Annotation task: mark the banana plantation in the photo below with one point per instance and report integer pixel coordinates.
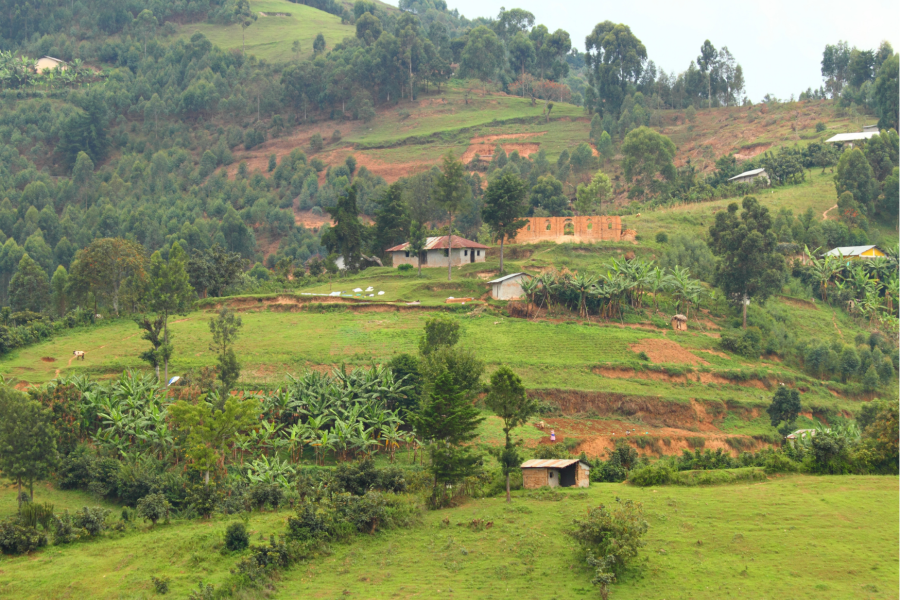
(625, 284)
(341, 416)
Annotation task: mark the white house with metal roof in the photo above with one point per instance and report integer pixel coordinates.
(750, 176)
(868, 132)
(437, 253)
(508, 287)
(855, 252)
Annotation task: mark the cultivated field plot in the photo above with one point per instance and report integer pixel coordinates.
(270, 37)
(792, 537)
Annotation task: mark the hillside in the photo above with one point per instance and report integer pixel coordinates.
(278, 25)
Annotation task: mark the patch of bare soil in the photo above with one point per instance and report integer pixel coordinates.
(524, 149)
(799, 303)
(310, 220)
(484, 139)
(667, 351)
(48, 359)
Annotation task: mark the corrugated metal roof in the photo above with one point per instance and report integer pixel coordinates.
(550, 463)
(505, 277)
(848, 251)
(852, 137)
(440, 243)
(748, 174)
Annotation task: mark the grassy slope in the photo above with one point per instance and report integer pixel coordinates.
(271, 38)
(279, 341)
(780, 538)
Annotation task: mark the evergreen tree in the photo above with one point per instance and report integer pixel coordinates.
(504, 207)
(27, 440)
(392, 224)
(450, 191)
(169, 292)
(447, 421)
(417, 241)
(225, 328)
(29, 288)
(749, 265)
(785, 408)
(346, 237)
(508, 400)
(58, 285)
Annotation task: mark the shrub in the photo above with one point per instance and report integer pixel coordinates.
(204, 499)
(719, 476)
(746, 343)
(657, 473)
(263, 494)
(611, 539)
(550, 451)
(236, 537)
(316, 143)
(662, 237)
(15, 538)
(405, 267)
(820, 127)
(91, 520)
(160, 584)
(65, 529)
(336, 135)
(153, 507)
(313, 522)
(32, 515)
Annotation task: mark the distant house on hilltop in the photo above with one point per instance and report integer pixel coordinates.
(856, 252)
(751, 176)
(48, 63)
(868, 132)
(437, 253)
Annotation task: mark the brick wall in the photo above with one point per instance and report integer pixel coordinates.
(534, 478)
(576, 229)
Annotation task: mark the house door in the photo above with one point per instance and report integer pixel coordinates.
(471, 256)
(423, 257)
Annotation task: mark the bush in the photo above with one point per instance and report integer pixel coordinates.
(160, 584)
(551, 451)
(65, 530)
(662, 237)
(15, 538)
(316, 143)
(657, 473)
(204, 499)
(263, 494)
(719, 476)
(75, 470)
(336, 135)
(405, 267)
(91, 520)
(746, 343)
(153, 507)
(611, 539)
(236, 537)
(820, 127)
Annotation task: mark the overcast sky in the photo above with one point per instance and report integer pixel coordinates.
(778, 43)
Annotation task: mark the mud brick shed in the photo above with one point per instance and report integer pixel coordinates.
(555, 473)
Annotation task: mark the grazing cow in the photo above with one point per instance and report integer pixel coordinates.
(78, 354)
(540, 425)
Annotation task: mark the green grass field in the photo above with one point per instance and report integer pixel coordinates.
(271, 37)
(792, 537)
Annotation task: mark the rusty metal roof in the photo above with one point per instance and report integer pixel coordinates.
(440, 242)
(551, 463)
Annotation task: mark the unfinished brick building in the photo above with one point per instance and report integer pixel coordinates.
(573, 229)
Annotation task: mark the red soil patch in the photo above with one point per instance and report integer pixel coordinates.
(484, 139)
(667, 351)
(48, 359)
(524, 149)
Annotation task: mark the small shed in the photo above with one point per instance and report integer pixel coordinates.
(48, 63)
(679, 323)
(437, 253)
(868, 132)
(856, 252)
(508, 287)
(555, 473)
(751, 176)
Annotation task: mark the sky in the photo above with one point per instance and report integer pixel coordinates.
(778, 43)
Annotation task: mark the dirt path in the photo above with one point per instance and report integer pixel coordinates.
(825, 214)
(834, 322)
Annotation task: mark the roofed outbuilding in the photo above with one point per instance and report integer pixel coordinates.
(855, 252)
(751, 176)
(538, 473)
(508, 287)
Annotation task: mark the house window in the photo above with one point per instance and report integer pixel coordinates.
(479, 253)
(465, 252)
(568, 228)
(548, 225)
(407, 254)
(609, 224)
(446, 251)
(590, 225)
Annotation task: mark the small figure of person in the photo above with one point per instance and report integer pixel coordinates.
(552, 436)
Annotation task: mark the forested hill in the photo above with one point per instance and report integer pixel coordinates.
(149, 132)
